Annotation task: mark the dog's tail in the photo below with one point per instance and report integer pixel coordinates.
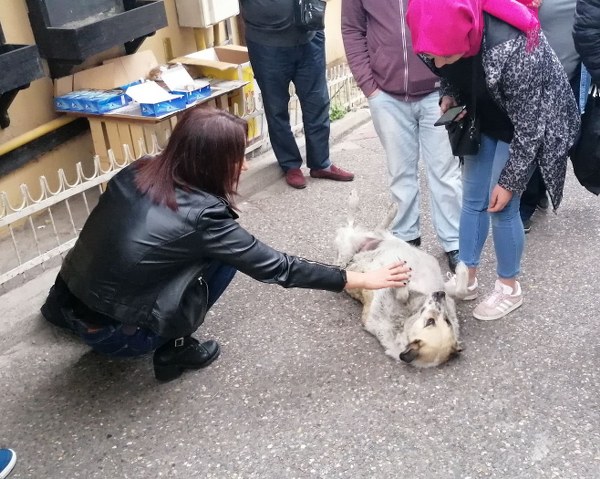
(353, 203)
(389, 217)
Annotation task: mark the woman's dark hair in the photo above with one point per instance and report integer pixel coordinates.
(205, 151)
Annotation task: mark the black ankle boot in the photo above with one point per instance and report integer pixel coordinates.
(452, 260)
(171, 359)
(415, 242)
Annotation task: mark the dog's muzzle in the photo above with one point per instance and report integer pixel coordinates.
(439, 296)
(409, 355)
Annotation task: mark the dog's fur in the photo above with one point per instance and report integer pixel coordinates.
(416, 323)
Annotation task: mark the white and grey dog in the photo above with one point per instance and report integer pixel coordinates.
(416, 324)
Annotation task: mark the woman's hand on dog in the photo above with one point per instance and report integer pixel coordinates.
(395, 275)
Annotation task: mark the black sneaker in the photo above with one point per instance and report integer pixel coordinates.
(452, 259)
(171, 359)
(527, 226)
(543, 203)
(415, 242)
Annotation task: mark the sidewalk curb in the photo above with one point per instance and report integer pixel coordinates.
(21, 315)
(20, 306)
(264, 169)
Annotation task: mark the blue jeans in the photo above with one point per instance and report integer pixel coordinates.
(121, 340)
(480, 175)
(304, 65)
(406, 132)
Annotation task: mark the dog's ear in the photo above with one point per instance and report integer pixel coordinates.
(411, 352)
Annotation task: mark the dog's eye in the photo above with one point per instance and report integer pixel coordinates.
(430, 322)
(447, 321)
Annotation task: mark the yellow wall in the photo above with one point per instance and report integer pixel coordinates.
(333, 32)
(33, 106)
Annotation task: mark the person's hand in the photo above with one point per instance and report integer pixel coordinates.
(447, 102)
(395, 275)
(499, 199)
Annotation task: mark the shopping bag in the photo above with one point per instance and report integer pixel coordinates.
(585, 155)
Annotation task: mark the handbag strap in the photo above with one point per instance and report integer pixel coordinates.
(476, 60)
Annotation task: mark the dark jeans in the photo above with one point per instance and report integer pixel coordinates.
(304, 65)
(533, 194)
(109, 337)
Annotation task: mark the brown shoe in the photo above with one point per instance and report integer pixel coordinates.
(295, 178)
(334, 173)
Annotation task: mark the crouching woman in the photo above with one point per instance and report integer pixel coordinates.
(163, 244)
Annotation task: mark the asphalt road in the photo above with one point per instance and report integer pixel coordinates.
(302, 391)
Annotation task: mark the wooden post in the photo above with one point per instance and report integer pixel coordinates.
(241, 29)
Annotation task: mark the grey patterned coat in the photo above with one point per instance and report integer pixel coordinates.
(532, 87)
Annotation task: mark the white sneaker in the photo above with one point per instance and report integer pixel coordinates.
(470, 294)
(499, 303)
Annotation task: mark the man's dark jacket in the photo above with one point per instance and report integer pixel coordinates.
(586, 33)
(271, 22)
(141, 263)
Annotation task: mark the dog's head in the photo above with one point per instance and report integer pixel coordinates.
(432, 332)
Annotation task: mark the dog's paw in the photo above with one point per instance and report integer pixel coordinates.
(457, 283)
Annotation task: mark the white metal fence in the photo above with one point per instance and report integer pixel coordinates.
(35, 232)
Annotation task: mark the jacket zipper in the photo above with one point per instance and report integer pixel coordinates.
(201, 280)
(404, 48)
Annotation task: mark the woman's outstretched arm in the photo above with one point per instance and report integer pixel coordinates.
(395, 275)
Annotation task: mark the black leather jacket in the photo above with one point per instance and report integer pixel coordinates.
(142, 264)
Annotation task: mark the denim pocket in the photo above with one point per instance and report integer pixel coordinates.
(112, 341)
(108, 340)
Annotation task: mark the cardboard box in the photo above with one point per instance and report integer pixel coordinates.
(155, 100)
(192, 96)
(205, 13)
(69, 102)
(228, 62)
(115, 73)
(129, 70)
(179, 82)
(163, 107)
(103, 101)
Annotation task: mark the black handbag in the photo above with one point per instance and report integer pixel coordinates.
(585, 155)
(465, 135)
(310, 14)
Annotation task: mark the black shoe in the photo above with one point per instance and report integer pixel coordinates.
(415, 242)
(452, 259)
(171, 359)
(54, 310)
(543, 203)
(527, 226)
